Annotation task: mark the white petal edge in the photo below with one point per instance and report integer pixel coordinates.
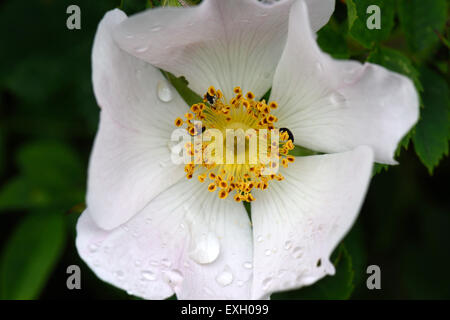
(220, 43)
(151, 255)
(299, 221)
(130, 161)
(334, 106)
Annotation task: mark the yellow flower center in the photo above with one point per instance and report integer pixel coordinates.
(236, 146)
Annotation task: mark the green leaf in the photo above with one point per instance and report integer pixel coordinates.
(19, 193)
(301, 152)
(337, 287)
(30, 255)
(331, 40)
(51, 164)
(420, 20)
(181, 85)
(432, 132)
(358, 20)
(50, 175)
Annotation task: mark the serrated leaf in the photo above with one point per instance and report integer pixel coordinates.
(432, 131)
(337, 287)
(358, 17)
(420, 20)
(30, 255)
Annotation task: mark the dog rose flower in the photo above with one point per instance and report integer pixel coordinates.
(155, 228)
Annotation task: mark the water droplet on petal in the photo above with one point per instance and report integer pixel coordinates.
(173, 277)
(162, 164)
(225, 278)
(266, 283)
(248, 265)
(93, 247)
(297, 253)
(141, 49)
(259, 239)
(166, 263)
(268, 252)
(319, 66)
(119, 274)
(337, 98)
(288, 245)
(148, 275)
(205, 248)
(164, 92)
(155, 28)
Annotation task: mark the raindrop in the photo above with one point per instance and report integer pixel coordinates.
(154, 263)
(205, 249)
(93, 247)
(174, 278)
(208, 291)
(259, 239)
(148, 275)
(141, 49)
(164, 92)
(336, 98)
(119, 275)
(288, 245)
(166, 263)
(225, 277)
(248, 265)
(266, 283)
(297, 253)
(162, 164)
(319, 66)
(268, 252)
(155, 28)
(281, 272)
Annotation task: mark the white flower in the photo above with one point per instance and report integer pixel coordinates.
(149, 230)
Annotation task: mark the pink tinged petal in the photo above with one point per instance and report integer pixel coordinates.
(334, 106)
(130, 162)
(186, 241)
(220, 43)
(299, 222)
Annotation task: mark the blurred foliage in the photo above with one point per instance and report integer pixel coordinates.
(48, 120)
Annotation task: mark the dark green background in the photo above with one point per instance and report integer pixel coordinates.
(48, 119)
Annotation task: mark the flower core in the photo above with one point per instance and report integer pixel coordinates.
(236, 145)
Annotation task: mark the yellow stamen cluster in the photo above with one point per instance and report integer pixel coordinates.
(242, 112)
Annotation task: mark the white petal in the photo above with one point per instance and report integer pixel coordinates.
(319, 12)
(130, 161)
(158, 252)
(334, 106)
(220, 43)
(299, 221)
